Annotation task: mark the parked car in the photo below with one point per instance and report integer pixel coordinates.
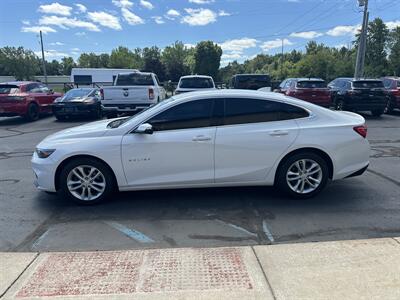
(132, 92)
(313, 90)
(392, 85)
(359, 95)
(193, 83)
(206, 139)
(78, 102)
(251, 82)
(26, 99)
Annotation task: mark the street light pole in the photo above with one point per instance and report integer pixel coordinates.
(43, 60)
(359, 70)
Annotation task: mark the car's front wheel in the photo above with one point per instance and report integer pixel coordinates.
(86, 181)
(32, 113)
(303, 175)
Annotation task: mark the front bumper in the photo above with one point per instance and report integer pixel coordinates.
(44, 173)
(75, 109)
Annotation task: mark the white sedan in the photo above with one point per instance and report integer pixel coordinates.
(206, 139)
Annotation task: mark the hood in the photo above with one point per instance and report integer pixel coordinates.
(90, 130)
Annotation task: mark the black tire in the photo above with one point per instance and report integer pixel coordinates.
(281, 177)
(108, 177)
(377, 112)
(389, 107)
(32, 113)
(340, 104)
(60, 117)
(98, 114)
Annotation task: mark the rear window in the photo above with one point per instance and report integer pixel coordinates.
(134, 79)
(368, 84)
(8, 89)
(311, 84)
(252, 82)
(196, 83)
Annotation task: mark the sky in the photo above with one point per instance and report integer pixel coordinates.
(243, 28)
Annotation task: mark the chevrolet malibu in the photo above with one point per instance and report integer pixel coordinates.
(206, 139)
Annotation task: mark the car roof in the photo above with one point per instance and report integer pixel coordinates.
(19, 83)
(196, 76)
(358, 79)
(249, 74)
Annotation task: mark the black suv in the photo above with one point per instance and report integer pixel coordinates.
(359, 95)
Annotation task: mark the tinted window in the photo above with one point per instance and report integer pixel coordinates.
(33, 88)
(311, 84)
(241, 111)
(134, 79)
(192, 114)
(252, 82)
(282, 84)
(196, 83)
(76, 93)
(368, 84)
(9, 89)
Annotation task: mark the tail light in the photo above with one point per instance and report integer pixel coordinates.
(361, 130)
(151, 93)
(102, 94)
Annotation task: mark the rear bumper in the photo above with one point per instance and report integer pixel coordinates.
(120, 108)
(366, 104)
(359, 172)
(69, 110)
(12, 109)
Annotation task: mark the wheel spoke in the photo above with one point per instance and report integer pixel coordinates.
(304, 176)
(314, 179)
(302, 186)
(75, 187)
(77, 174)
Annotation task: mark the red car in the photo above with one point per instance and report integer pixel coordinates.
(392, 86)
(312, 90)
(26, 99)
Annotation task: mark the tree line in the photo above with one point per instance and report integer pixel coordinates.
(318, 60)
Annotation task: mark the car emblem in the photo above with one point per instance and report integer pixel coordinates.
(126, 93)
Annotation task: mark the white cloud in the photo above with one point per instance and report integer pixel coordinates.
(201, 1)
(66, 23)
(231, 56)
(223, 13)
(146, 4)
(343, 30)
(277, 43)
(189, 46)
(56, 9)
(105, 19)
(158, 19)
(172, 14)
(56, 44)
(306, 34)
(199, 17)
(75, 49)
(131, 18)
(392, 24)
(82, 8)
(52, 54)
(122, 3)
(26, 22)
(37, 29)
(239, 45)
(80, 33)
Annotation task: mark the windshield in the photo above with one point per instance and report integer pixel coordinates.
(77, 93)
(368, 84)
(250, 82)
(196, 83)
(8, 89)
(311, 84)
(146, 112)
(134, 79)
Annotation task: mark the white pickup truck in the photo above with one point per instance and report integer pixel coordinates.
(131, 92)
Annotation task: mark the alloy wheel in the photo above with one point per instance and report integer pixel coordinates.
(304, 176)
(86, 183)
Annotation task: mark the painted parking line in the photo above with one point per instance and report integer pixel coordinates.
(236, 227)
(40, 239)
(267, 232)
(131, 233)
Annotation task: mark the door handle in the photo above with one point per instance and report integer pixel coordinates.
(279, 133)
(201, 138)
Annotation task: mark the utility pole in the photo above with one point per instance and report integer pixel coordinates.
(282, 61)
(43, 60)
(359, 70)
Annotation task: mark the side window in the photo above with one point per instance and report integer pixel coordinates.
(282, 84)
(289, 112)
(287, 84)
(194, 114)
(43, 88)
(32, 88)
(158, 81)
(242, 111)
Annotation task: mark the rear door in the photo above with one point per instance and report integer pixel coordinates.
(253, 136)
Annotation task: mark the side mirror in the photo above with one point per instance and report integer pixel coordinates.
(145, 128)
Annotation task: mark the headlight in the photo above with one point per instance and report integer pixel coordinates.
(44, 153)
(59, 99)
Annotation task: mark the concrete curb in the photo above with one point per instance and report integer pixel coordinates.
(358, 269)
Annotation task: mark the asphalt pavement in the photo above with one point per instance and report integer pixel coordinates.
(363, 207)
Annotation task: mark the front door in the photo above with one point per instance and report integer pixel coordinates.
(179, 152)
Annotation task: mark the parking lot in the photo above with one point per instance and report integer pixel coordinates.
(361, 207)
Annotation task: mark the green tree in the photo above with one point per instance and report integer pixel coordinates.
(207, 59)
(18, 62)
(394, 56)
(152, 62)
(124, 58)
(53, 67)
(376, 56)
(67, 63)
(174, 59)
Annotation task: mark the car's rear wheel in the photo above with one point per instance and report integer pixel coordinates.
(32, 113)
(86, 181)
(303, 175)
(60, 117)
(389, 107)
